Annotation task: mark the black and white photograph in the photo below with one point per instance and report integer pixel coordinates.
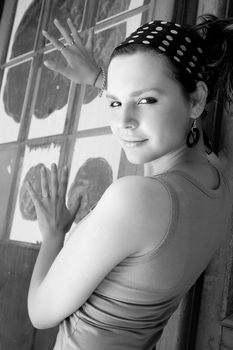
(116, 175)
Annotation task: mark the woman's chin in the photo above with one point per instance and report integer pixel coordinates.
(135, 159)
(140, 158)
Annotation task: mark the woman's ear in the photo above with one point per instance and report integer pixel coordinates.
(198, 99)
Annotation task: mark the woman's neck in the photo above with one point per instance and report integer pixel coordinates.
(170, 160)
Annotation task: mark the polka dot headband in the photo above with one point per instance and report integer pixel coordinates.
(182, 45)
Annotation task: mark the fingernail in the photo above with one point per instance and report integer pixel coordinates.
(44, 31)
(68, 19)
(46, 63)
(55, 20)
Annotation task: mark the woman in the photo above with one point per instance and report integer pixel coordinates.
(127, 265)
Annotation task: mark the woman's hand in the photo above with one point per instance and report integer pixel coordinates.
(54, 218)
(81, 65)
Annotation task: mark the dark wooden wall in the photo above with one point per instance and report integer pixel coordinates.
(16, 332)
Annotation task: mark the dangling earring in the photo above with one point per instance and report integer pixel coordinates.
(193, 135)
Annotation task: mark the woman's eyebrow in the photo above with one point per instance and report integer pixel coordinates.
(137, 93)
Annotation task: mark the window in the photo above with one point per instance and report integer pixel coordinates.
(44, 117)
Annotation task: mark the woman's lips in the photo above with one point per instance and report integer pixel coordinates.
(133, 142)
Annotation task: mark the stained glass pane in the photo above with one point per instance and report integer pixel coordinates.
(24, 27)
(51, 102)
(11, 101)
(25, 226)
(62, 10)
(108, 8)
(95, 110)
(94, 167)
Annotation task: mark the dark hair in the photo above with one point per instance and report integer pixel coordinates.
(218, 66)
(218, 69)
(187, 85)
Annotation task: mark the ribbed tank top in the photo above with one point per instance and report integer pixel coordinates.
(132, 305)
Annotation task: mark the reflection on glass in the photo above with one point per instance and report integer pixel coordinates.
(24, 27)
(25, 226)
(11, 100)
(108, 8)
(7, 163)
(95, 110)
(51, 102)
(94, 167)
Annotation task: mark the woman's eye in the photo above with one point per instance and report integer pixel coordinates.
(115, 104)
(147, 100)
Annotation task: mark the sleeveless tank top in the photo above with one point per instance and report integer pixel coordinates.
(132, 305)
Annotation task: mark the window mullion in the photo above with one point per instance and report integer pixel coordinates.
(6, 24)
(89, 14)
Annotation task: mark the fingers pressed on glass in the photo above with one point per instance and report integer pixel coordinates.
(34, 196)
(59, 68)
(51, 65)
(74, 32)
(54, 181)
(63, 32)
(64, 182)
(90, 40)
(44, 183)
(56, 43)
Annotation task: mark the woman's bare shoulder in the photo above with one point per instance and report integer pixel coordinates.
(139, 183)
(135, 189)
(142, 207)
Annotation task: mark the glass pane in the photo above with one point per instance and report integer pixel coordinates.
(108, 8)
(7, 163)
(11, 100)
(62, 9)
(24, 27)
(51, 102)
(94, 112)
(94, 167)
(25, 226)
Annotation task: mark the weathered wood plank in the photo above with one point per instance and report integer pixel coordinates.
(16, 264)
(16, 331)
(45, 339)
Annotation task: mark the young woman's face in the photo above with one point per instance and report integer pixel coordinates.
(149, 114)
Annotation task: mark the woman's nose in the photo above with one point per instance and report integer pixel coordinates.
(128, 119)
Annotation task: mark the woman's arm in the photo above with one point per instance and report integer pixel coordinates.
(122, 224)
(54, 221)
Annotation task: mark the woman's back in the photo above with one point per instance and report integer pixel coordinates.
(134, 302)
